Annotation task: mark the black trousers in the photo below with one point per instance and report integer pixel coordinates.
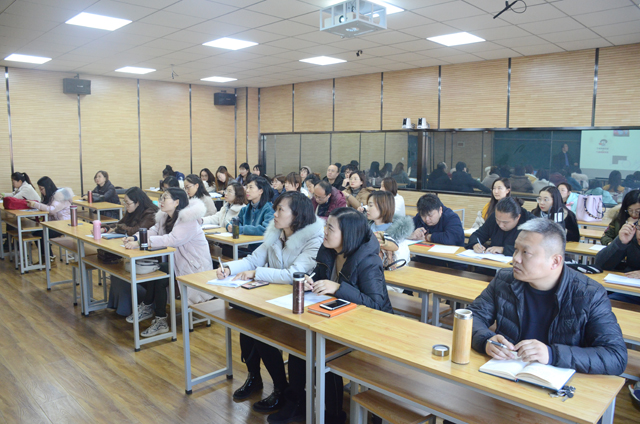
(252, 351)
(157, 292)
(333, 389)
(52, 234)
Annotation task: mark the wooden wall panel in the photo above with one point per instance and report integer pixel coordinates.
(345, 147)
(110, 131)
(372, 150)
(474, 95)
(276, 109)
(554, 90)
(314, 106)
(315, 152)
(5, 154)
(617, 102)
(288, 154)
(412, 93)
(241, 120)
(358, 103)
(397, 149)
(164, 123)
(254, 131)
(213, 131)
(45, 127)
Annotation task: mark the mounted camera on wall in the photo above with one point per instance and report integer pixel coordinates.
(423, 124)
(406, 123)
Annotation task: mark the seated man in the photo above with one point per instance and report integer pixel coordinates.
(623, 254)
(326, 198)
(334, 177)
(546, 311)
(501, 228)
(437, 223)
(461, 180)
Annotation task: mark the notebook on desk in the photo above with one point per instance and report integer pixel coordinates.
(546, 376)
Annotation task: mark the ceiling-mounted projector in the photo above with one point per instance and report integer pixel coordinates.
(354, 17)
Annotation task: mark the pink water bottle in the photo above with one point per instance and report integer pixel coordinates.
(97, 230)
(90, 197)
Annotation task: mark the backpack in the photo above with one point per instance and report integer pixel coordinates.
(13, 203)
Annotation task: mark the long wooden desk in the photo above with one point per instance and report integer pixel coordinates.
(98, 207)
(597, 224)
(617, 288)
(81, 234)
(408, 343)
(19, 220)
(213, 235)
(453, 257)
(256, 301)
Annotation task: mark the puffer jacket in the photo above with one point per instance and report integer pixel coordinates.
(584, 335)
(192, 249)
(611, 232)
(106, 193)
(275, 261)
(400, 229)
(361, 278)
(58, 207)
(337, 200)
(224, 216)
(618, 255)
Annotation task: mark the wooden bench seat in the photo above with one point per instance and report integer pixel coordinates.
(389, 409)
(411, 306)
(633, 365)
(71, 245)
(445, 398)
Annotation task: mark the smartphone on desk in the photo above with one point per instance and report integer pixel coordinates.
(153, 249)
(336, 304)
(254, 285)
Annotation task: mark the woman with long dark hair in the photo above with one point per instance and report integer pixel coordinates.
(400, 175)
(194, 187)
(500, 189)
(22, 188)
(254, 218)
(551, 206)
(628, 214)
(105, 191)
(223, 179)
(615, 183)
(208, 179)
(234, 200)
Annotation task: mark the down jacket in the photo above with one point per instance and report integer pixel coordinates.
(192, 249)
(58, 208)
(584, 335)
(275, 261)
(361, 278)
(224, 216)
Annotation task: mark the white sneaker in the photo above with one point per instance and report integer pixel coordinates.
(158, 326)
(144, 312)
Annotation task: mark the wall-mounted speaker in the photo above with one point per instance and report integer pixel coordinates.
(224, 99)
(76, 86)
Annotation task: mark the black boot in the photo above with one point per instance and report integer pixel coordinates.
(253, 384)
(291, 412)
(271, 403)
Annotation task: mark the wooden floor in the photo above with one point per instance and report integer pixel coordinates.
(57, 366)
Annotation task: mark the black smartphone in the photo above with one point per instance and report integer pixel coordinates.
(254, 285)
(153, 249)
(336, 304)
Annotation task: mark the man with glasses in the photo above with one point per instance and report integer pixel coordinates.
(327, 198)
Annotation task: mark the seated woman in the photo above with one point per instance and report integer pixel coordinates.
(628, 214)
(293, 182)
(519, 182)
(305, 171)
(258, 171)
(170, 182)
(291, 244)
(615, 183)
(176, 226)
(492, 175)
(348, 170)
(254, 218)
(208, 179)
(500, 228)
(310, 183)
(169, 172)
(500, 189)
(277, 183)
(357, 193)
(542, 182)
(243, 171)
(195, 188)
(399, 174)
(223, 179)
(550, 206)
(348, 267)
(22, 188)
(104, 192)
(389, 184)
(234, 200)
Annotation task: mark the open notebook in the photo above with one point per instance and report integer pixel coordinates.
(546, 376)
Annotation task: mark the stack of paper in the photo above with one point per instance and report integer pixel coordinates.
(620, 279)
(228, 282)
(469, 231)
(444, 249)
(215, 195)
(210, 226)
(287, 301)
(491, 256)
(597, 247)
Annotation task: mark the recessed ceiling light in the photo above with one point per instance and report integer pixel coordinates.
(28, 59)
(134, 70)
(218, 79)
(98, 21)
(456, 39)
(230, 43)
(390, 9)
(322, 60)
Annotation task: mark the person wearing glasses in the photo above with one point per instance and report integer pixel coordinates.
(194, 187)
(234, 200)
(326, 199)
(551, 206)
(254, 218)
(500, 188)
(629, 213)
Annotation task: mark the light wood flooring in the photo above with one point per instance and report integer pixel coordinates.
(57, 366)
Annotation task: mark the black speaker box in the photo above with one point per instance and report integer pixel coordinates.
(76, 86)
(224, 99)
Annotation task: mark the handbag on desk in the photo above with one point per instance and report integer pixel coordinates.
(590, 208)
(13, 203)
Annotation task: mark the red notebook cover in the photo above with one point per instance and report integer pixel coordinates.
(316, 309)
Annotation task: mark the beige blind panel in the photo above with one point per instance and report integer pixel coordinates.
(5, 155)
(397, 149)
(412, 93)
(314, 106)
(474, 95)
(164, 123)
(315, 152)
(276, 111)
(45, 127)
(213, 131)
(241, 102)
(345, 147)
(358, 103)
(254, 132)
(372, 150)
(110, 131)
(618, 102)
(288, 154)
(554, 90)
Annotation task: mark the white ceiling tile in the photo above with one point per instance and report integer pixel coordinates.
(407, 20)
(237, 3)
(385, 50)
(189, 36)
(21, 33)
(377, 61)
(164, 43)
(217, 29)
(449, 11)
(552, 25)
(34, 10)
(63, 66)
(534, 13)
(401, 66)
(239, 55)
(289, 28)
(204, 50)
(127, 38)
(478, 47)
(285, 9)
(585, 44)
(474, 23)
(83, 34)
(530, 40)
(575, 35)
(501, 33)
(498, 54)
(247, 18)
(200, 8)
(76, 5)
(431, 30)
(182, 56)
(462, 58)
(408, 57)
(269, 60)
(173, 20)
(42, 45)
(320, 37)
(120, 10)
(535, 50)
(579, 7)
(390, 37)
(155, 4)
(148, 51)
(148, 30)
(417, 46)
(493, 6)
(441, 53)
(257, 36)
(93, 69)
(264, 49)
(619, 40)
(311, 19)
(610, 17)
(416, 4)
(322, 51)
(622, 28)
(354, 44)
(292, 44)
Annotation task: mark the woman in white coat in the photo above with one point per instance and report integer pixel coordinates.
(177, 226)
(291, 244)
(22, 188)
(234, 200)
(195, 188)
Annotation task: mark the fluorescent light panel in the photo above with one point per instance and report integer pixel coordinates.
(322, 60)
(218, 79)
(134, 70)
(26, 58)
(390, 9)
(230, 43)
(98, 21)
(456, 39)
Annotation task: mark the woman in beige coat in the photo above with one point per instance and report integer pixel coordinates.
(357, 193)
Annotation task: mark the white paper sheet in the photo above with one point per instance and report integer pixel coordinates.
(287, 301)
(224, 234)
(469, 231)
(154, 189)
(210, 226)
(622, 280)
(215, 195)
(597, 247)
(412, 242)
(227, 282)
(491, 256)
(444, 249)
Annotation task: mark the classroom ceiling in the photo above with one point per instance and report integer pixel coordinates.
(171, 32)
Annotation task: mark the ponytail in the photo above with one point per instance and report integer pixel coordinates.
(21, 176)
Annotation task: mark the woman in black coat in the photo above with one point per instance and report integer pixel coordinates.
(104, 192)
(348, 267)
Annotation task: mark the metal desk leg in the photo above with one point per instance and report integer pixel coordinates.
(320, 379)
(134, 307)
(435, 311)
(424, 313)
(2, 240)
(172, 299)
(98, 212)
(185, 339)
(84, 290)
(120, 212)
(355, 412)
(229, 353)
(607, 418)
(235, 252)
(21, 253)
(47, 262)
(310, 377)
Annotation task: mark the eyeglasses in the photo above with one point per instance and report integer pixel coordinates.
(633, 212)
(129, 203)
(164, 198)
(544, 200)
(187, 188)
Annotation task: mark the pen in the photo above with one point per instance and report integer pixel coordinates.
(312, 274)
(498, 344)
(220, 262)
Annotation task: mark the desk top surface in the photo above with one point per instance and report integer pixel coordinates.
(84, 231)
(603, 223)
(409, 342)
(99, 206)
(213, 235)
(613, 287)
(486, 263)
(22, 212)
(581, 248)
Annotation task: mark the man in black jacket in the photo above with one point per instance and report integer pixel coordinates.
(334, 177)
(462, 181)
(546, 311)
